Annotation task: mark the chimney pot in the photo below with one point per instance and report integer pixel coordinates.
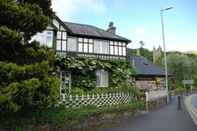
(111, 28)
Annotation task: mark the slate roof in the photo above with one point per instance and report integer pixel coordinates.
(92, 31)
(145, 67)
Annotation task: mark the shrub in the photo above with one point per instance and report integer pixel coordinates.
(27, 94)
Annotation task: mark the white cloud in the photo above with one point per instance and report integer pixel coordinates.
(139, 30)
(65, 9)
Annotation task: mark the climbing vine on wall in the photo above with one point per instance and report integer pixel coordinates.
(83, 70)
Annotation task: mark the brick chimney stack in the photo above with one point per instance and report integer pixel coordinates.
(111, 28)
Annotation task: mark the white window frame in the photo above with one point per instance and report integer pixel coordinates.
(101, 47)
(102, 78)
(72, 44)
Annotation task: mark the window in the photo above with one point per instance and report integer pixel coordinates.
(105, 47)
(61, 43)
(90, 48)
(97, 46)
(85, 40)
(101, 47)
(85, 45)
(45, 38)
(124, 51)
(117, 48)
(120, 50)
(49, 38)
(58, 45)
(64, 35)
(80, 39)
(59, 35)
(80, 47)
(85, 49)
(102, 78)
(72, 44)
(111, 50)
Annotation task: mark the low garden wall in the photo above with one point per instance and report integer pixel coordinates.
(98, 100)
(157, 103)
(155, 99)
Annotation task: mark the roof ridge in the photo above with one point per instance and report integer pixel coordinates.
(77, 23)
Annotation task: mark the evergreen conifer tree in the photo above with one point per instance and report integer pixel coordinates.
(25, 80)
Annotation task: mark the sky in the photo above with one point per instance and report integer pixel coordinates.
(138, 20)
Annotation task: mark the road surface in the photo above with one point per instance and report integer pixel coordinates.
(167, 118)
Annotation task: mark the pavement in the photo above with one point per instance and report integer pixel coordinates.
(194, 101)
(191, 105)
(167, 118)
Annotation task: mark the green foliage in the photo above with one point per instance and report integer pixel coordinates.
(30, 93)
(23, 17)
(45, 5)
(123, 88)
(143, 52)
(11, 72)
(25, 54)
(83, 70)
(182, 66)
(57, 116)
(77, 91)
(25, 68)
(8, 36)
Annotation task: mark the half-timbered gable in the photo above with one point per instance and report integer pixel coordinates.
(82, 40)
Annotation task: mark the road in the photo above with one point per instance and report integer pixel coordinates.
(167, 118)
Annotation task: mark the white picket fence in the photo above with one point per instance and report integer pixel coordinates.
(98, 100)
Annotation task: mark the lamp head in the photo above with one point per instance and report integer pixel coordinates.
(169, 8)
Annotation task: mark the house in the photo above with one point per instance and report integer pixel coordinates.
(148, 76)
(85, 41)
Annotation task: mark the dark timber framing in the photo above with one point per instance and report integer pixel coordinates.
(86, 36)
(117, 49)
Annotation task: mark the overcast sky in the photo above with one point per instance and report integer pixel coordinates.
(137, 19)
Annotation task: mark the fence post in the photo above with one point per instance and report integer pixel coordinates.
(88, 96)
(102, 95)
(147, 99)
(93, 96)
(179, 102)
(76, 97)
(82, 97)
(70, 97)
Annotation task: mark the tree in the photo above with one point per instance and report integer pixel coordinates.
(143, 52)
(25, 68)
(141, 44)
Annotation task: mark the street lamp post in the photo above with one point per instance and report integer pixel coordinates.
(164, 48)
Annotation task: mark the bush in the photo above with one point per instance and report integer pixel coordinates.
(61, 116)
(77, 91)
(27, 94)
